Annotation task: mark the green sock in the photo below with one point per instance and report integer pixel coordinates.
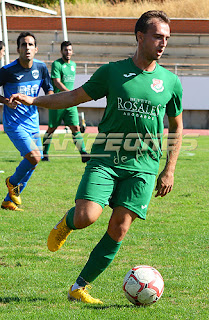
(78, 141)
(46, 142)
(69, 219)
(100, 258)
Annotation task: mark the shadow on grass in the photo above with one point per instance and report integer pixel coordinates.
(116, 306)
(184, 159)
(9, 160)
(6, 300)
(186, 195)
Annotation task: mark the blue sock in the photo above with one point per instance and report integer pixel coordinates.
(7, 198)
(22, 183)
(21, 171)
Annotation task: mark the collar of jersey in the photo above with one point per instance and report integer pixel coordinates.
(143, 71)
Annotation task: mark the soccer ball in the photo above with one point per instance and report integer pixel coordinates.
(143, 285)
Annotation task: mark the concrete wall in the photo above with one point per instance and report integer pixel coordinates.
(193, 119)
(100, 24)
(195, 104)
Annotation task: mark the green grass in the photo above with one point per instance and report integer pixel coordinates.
(174, 239)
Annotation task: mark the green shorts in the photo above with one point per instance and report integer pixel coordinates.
(116, 187)
(69, 117)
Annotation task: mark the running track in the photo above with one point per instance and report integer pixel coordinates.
(61, 129)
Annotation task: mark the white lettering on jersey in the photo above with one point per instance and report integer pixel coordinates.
(28, 90)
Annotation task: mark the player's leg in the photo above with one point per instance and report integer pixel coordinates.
(33, 157)
(93, 193)
(25, 179)
(130, 200)
(81, 216)
(55, 119)
(18, 181)
(103, 254)
(47, 138)
(71, 119)
(79, 143)
(28, 145)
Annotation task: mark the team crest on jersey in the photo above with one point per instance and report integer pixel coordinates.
(72, 68)
(35, 74)
(157, 85)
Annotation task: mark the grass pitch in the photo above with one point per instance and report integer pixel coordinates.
(174, 239)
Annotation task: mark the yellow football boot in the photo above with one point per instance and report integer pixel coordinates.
(14, 192)
(9, 205)
(82, 295)
(58, 235)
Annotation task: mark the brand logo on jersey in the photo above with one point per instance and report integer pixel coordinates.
(157, 85)
(20, 77)
(127, 75)
(35, 74)
(143, 207)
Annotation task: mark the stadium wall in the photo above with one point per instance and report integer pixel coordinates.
(100, 24)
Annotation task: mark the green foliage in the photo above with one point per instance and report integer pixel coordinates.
(173, 239)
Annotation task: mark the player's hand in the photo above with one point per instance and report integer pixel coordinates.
(10, 104)
(165, 183)
(18, 98)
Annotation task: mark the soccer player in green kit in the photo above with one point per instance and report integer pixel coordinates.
(126, 153)
(63, 77)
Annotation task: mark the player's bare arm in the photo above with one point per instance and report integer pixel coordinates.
(57, 83)
(61, 100)
(165, 180)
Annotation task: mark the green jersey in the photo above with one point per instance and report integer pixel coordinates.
(65, 72)
(131, 129)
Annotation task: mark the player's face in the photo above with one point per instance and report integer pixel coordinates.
(2, 52)
(27, 49)
(67, 53)
(154, 42)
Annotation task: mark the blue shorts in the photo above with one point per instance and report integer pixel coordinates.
(25, 141)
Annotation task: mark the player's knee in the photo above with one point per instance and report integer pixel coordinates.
(86, 213)
(33, 157)
(35, 160)
(117, 231)
(83, 219)
(74, 129)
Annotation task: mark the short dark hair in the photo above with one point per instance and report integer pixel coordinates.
(2, 44)
(65, 44)
(23, 35)
(144, 21)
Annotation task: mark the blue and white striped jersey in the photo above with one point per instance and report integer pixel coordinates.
(14, 78)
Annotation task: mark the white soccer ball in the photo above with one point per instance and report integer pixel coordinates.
(143, 285)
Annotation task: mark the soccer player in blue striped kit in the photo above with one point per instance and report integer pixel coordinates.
(24, 75)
